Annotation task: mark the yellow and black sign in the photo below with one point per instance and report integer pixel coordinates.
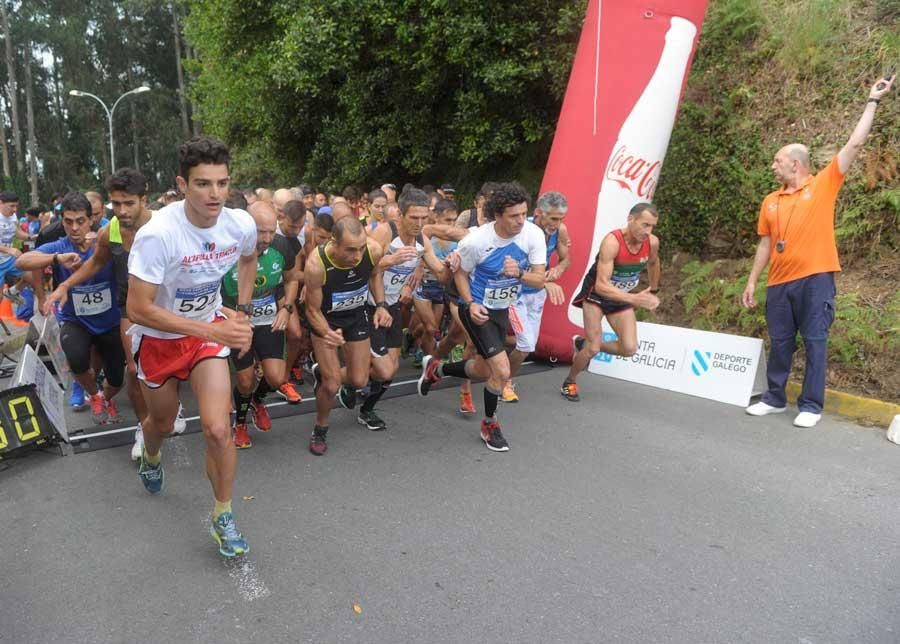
(22, 419)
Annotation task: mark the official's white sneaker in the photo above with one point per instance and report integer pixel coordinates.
(807, 419)
(180, 422)
(762, 409)
(138, 448)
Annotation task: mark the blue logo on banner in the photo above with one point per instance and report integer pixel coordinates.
(605, 357)
(700, 364)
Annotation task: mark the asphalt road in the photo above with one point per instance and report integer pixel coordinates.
(635, 516)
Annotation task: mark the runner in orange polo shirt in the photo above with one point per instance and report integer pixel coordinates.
(796, 229)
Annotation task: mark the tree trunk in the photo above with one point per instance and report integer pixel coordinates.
(195, 122)
(7, 172)
(12, 90)
(60, 122)
(32, 139)
(182, 101)
(129, 70)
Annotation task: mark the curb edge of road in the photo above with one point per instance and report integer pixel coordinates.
(869, 410)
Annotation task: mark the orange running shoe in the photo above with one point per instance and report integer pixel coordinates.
(569, 391)
(466, 406)
(112, 412)
(98, 408)
(290, 394)
(261, 417)
(242, 437)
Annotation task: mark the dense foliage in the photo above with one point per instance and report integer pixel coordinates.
(341, 91)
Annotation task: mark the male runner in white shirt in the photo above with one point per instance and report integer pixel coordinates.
(176, 265)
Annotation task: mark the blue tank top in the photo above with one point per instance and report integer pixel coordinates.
(94, 303)
(552, 242)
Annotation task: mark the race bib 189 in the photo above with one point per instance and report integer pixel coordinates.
(499, 294)
(92, 299)
(625, 283)
(347, 300)
(264, 310)
(197, 302)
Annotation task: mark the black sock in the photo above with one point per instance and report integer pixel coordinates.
(262, 389)
(457, 369)
(241, 405)
(376, 390)
(490, 402)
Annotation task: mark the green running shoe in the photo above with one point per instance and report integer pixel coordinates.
(225, 533)
(371, 420)
(152, 476)
(346, 397)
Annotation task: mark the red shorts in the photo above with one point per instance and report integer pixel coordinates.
(159, 359)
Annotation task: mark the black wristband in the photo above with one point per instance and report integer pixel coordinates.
(288, 307)
(654, 290)
(381, 304)
(55, 260)
(245, 308)
(874, 100)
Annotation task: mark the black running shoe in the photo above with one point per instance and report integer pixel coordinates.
(493, 437)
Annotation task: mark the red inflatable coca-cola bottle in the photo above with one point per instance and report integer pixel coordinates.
(611, 139)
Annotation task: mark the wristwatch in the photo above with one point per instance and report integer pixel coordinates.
(288, 307)
(245, 308)
(654, 290)
(381, 304)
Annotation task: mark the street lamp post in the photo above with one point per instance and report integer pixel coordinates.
(109, 116)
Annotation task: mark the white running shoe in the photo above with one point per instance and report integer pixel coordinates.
(807, 419)
(180, 422)
(762, 409)
(138, 448)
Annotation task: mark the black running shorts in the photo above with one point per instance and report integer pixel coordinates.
(489, 338)
(267, 345)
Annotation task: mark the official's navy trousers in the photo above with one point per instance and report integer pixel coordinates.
(805, 305)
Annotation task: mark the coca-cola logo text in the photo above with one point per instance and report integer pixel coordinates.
(633, 173)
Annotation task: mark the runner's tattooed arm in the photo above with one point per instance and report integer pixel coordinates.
(246, 276)
(291, 289)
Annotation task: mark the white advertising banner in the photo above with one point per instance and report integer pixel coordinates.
(718, 366)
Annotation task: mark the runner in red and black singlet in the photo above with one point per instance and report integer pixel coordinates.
(608, 288)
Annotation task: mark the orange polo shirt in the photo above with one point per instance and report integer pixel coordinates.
(804, 220)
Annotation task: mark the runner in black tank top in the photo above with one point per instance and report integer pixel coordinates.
(338, 277)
